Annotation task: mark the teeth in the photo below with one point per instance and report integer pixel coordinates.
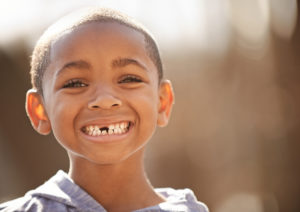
(117, 128)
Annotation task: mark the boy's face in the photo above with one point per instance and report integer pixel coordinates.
(101, 95)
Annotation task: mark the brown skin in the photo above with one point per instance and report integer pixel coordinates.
(110, 168)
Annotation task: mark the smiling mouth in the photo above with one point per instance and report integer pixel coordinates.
(111, 129)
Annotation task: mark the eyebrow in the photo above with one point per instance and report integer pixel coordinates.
(80, 64)
(122, 62)
(119, 62)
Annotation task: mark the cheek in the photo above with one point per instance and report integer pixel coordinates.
(62, 115)
(147, 109)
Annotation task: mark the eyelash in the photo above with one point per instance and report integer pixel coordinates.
(130, 79)
(78, 83)
(74, 84)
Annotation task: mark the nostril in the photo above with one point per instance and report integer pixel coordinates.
(98, 106)
(104, 102)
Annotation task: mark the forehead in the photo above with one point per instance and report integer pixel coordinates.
(101, 38)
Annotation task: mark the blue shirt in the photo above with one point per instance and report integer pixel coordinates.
(61, 194)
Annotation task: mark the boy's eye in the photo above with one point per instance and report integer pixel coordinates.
(74, 84)
(130, 79)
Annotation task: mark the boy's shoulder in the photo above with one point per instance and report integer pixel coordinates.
(180, 200)
(18, 204)
(59, 193)
(30, 203)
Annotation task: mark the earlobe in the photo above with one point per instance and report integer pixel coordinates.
(36, 112)
(166, 98)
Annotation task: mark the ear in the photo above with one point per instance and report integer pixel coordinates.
(166, 98)
(36, 112)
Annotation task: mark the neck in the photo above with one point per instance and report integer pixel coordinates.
(117, 187)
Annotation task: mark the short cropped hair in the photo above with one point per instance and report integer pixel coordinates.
(40, 58)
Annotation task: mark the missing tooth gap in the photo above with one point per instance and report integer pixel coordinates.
(104, 128)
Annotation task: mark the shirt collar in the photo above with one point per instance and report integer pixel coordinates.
(61, 188)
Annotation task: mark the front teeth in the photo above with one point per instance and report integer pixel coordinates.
(117, 128)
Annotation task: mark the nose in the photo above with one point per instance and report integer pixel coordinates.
(104, 99)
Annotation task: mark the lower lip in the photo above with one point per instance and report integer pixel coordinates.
(106, 138)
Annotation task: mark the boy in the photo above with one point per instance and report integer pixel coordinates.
(97, 85)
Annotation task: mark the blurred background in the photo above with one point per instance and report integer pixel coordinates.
(235, 129)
